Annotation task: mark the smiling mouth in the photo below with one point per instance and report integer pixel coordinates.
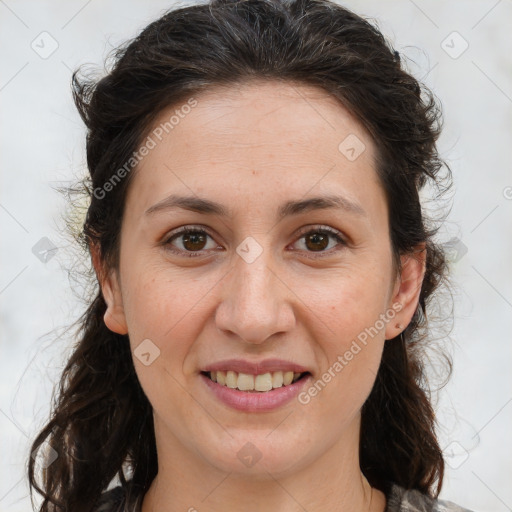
(255, 383)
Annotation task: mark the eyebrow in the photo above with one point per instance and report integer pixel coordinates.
(208, 207)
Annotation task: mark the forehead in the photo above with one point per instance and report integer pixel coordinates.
(273, 113)
(292, 136)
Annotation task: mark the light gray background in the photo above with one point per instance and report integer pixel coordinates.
(42, 145)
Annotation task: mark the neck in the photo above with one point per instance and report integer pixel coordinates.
(332, 482)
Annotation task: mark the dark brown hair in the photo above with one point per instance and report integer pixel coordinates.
(101, 425)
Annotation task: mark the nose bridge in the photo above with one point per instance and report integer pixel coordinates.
(256, 303)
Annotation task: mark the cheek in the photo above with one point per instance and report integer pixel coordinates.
(339, 391)
(347, 304)
(348, 312)
(164, 305)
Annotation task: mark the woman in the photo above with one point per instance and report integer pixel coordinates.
(264, 270)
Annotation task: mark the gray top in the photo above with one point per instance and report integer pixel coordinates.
(398, 500)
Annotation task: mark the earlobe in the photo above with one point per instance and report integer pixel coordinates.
(407, 289)
(114, 317)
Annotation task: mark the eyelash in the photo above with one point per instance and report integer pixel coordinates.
(197, 229)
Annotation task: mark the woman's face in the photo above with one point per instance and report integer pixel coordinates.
(263, 280)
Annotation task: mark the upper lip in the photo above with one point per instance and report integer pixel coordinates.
(255, 367)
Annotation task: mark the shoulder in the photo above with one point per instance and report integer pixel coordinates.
(412, 500)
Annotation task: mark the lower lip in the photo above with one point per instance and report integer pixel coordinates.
(256, 401)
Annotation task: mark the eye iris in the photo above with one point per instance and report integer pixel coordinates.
(316, 238)
(194, 239)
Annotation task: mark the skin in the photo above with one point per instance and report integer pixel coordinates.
(252, 147)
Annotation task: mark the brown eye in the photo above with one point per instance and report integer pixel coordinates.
(317, 241)
(188, 242)
(194, 241)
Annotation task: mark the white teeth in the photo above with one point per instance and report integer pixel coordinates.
(262, 382)
(231, 379)
(277, 379)
(221, 377)
(247, 382)
(287, 378)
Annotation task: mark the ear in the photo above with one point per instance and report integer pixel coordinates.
(114, 317)
(407, 289)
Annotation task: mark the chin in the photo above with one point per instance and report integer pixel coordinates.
(254, 453)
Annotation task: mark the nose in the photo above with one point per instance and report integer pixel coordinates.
(256, 301)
